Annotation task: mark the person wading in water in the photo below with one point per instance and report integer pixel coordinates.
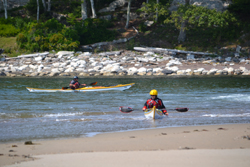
(155, 101)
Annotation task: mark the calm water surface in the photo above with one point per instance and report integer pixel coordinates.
(31, 116)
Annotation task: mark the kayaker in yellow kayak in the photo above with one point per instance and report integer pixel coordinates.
(155, 101)
(74, 84)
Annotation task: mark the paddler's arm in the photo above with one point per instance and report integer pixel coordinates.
(164, 111)
(163, 108)
(83, 85)
(71, 84)
(144, 107)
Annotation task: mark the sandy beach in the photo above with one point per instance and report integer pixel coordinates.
(212, 145)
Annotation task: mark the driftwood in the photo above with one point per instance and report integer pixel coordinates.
(33, 55)
(168, 51)
(110, 53)
(99, 44)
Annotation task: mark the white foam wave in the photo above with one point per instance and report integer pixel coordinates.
(227, 115)
(10, 115)
(138, 118)
(234, 97)
(63, 114)
(92, 134)
(59, 120)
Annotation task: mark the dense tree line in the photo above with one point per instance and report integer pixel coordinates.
(79, 24)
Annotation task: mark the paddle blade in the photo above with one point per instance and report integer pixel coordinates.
(93, 83)
(181, 109)
(124, 109)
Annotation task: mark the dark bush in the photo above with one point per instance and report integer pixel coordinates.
(94, 30)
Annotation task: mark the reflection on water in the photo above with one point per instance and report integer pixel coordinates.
(25, 115)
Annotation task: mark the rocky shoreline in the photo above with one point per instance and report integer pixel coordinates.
(122, 63)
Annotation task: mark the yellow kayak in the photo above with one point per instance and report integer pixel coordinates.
(119, 87)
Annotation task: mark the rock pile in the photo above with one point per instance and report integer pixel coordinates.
(121, 63)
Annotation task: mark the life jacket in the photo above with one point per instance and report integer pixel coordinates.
(151, 103)
(76, 84)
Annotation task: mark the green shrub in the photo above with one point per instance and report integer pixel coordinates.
(71, 19)
(50, 35)
(33, 47)
(10, 20)
(76, 8)
(21, 38)
(45, 46)
(8, 30)
(130, 45)
(53, 25)
(56, 38)
(20, 23)
(17, 22)
(71, 34)
(142, 27)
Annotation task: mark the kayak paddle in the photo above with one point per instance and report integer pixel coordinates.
(93, 83)
(125, 109)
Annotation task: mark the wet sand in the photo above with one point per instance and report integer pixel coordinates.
(211, 145)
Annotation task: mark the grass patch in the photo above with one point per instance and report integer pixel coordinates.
(180, 47)
(10, 46)
(147, 32)
(7, 42)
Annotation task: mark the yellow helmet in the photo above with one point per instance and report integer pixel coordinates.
(153, 92)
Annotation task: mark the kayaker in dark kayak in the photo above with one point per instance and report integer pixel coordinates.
(155, 101)
(74, 84)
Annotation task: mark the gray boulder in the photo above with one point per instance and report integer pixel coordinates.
(2, 74)
(1, 51)
(166, 72)
(112, 6)
(219, 5)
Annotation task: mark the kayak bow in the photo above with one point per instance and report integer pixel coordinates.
(153, 113)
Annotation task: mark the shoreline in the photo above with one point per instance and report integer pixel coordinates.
(134, 76)
(122, 63)
(93, 134)
(215, 138)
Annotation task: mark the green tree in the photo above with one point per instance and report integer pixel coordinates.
(190, 17)
(151, 6)
(201, 17)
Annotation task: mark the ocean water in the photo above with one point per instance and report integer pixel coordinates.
(34, 116)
